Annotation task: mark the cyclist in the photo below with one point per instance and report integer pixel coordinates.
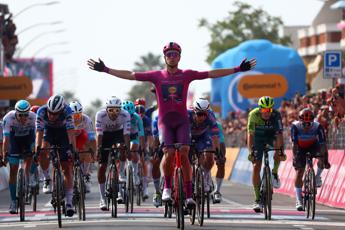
(307, 136)
(54, 126)
(137, 138)
(264, 127)
(19, 137)
(204, 132)
(220, 162)
(148, 111)
(113, 125)
(85, 138)
(35, 108)
(140, 110)
(171, 87)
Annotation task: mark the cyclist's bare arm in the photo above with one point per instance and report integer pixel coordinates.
(5, 146)
(127, 141)
(220, 72)
(124, 74)
(39, 138)
(250, 140)
(71, 138)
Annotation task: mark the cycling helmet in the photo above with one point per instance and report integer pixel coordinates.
(201, 105)
(172, 46)
(113, 102)
(22, 106)
(56, 103)
(265, 102)
(140, 101)
(34, 108)
(306, 115)
(76, 107)
(140, 109)
(129, 107)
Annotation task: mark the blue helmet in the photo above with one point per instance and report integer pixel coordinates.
(128, 106)
(22, 106)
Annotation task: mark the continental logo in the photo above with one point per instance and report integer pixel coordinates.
(254, 86)
(15, 87)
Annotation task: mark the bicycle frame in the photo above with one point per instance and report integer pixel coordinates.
(309, 187)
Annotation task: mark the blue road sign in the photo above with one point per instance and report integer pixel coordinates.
(332, 64)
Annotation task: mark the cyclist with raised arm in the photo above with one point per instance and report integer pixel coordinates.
(307, 135)
(19, 138)
(113, 126)
(147, 123)
(137, 137)
(220, 162)
(54, 126)
(171, 89)
(85, 139)
(204, 133)
(264, 127)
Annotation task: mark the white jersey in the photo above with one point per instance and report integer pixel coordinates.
(104, 124)
(12, 125)
(87, 125)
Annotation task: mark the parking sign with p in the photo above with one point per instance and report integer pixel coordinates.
(332, 64)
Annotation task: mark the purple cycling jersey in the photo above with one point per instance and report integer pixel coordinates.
(171, 89)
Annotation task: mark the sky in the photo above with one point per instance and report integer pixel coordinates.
(120, 32)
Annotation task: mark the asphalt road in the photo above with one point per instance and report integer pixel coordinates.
(233, 213)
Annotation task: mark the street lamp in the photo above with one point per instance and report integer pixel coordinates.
(47, 46)
(39, 24)
(37, 37)
(34, 5)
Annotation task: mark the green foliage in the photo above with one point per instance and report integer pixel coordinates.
(244, 23)
(95, 106)
(142, 89)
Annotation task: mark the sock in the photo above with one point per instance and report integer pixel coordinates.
(145, 182)
(219, 182)
(69, 196)
(167, 182)
(13, 191)
(102, 190)
(275, 167)
(46, 174)
(318, 172)
(188, 189)
(257, 193)
(156, 183)
(298, 194)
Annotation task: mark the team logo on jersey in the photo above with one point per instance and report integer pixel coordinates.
(172, 90)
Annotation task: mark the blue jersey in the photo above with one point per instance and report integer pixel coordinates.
(155, 130)
(137, 126)
(208, 127)
(64, 119)
(305, 138)
(147, 125)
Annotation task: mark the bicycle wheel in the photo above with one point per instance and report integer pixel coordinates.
(267, 193)
(200, 198)
(35, 191)
(195, 194)
(312, 186)
(21, 194)
(114, 189)
(129, 190)
(58, 194)
(180, 198)
(208, 198)
(81, 188)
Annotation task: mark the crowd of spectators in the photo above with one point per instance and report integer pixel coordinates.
(328, 106)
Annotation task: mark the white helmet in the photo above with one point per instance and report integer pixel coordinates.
(113, 102)
(56, 103)
(201, 104)
(76, 107)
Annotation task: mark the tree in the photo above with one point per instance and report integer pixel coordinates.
(68, 96)
(142, 89)
(245, 23)
(95, 106)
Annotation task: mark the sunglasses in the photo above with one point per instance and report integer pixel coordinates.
(53, 114)
(114, 110)
(172, 54)
(266, 110)
(201, 114)
(77, 116)
(23, 114)
(306, 124)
